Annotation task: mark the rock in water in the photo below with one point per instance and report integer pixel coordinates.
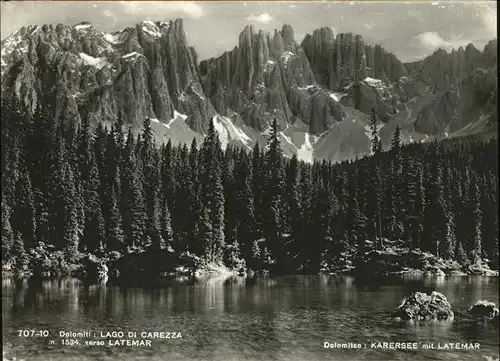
(484, 309)
(92, 268)
(422, 306)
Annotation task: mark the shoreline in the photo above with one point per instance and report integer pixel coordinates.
(154, 264)
(210, 274)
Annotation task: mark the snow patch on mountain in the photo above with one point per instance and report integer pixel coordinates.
(98, 63)
(150, 28)
(112, 38)
(132, 56)
(288, 140)
(337, 96)
(376, 83)
(237, 133)
(177, 114)
(82, 26)
(305, 152)
(229, 132)
(223, 133)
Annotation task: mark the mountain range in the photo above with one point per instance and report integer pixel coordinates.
(321, 91)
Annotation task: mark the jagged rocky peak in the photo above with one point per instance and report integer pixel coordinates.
(288, 37)
(339, 60)
(147, 70)
(328, 84)
(259, 78)
(490, 53)
(442, 68)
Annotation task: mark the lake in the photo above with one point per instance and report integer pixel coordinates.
(285, 318)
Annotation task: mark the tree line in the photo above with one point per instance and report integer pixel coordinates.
(89, 189)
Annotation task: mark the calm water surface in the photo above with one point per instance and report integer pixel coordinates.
(287, 318)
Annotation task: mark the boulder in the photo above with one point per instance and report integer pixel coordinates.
(92, 267)
(484, 309)
(423, 306)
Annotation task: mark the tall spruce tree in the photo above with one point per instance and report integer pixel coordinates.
(132, 197)
(94, 233)
(245, 211)
(23, 217)
(293, 207)
(149, 160)
(70, 227)
(213, 194)
(7, 233)
(195, 209)
(184, 220)
(435, 213)
(375, 139)
(274, 188)
(477, 246)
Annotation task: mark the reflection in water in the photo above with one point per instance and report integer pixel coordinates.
(261, 318)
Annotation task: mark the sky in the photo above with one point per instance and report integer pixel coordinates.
(409, 29)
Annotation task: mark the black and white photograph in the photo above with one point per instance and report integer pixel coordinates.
(249, 181)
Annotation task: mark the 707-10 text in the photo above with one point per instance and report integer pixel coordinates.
(33, 333)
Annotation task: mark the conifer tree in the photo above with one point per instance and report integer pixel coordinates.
(132, 198)
(94, 233)
(19, 254)
(373, 198)
(114, 226)
(274, 187)
(23, 216)
(358, 226)
(396, 144)
(70, 226)
(293, 208)
(194, 212)
(450, 241)
(184, 220)
(435, 219)
(11, 149)
(414, 195)
(7, 233)
(244, 201)
(258, 187)
(167, 235)
(477, 250)
(149, 161)
(213, 193)
(168, 176)
(376, 142)
(230, 208)
(206, 230)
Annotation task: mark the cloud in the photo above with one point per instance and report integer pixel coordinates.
(262, 18)
(431, 40)
(189, 8)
